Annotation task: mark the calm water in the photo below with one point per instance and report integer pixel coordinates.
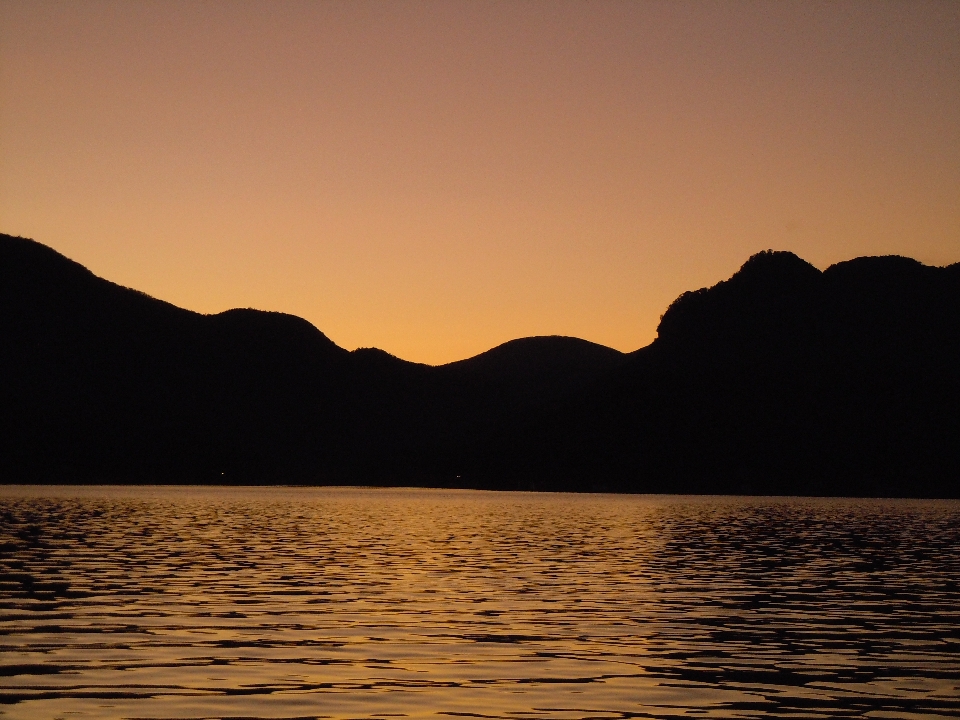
(348, 603)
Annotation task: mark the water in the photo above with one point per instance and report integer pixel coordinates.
(348, 603)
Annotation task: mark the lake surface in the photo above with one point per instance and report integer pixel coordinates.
(347, 603)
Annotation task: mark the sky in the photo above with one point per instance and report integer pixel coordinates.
(436, 178)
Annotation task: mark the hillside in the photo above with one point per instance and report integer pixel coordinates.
(782, 379)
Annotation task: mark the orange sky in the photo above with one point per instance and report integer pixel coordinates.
(437, 178)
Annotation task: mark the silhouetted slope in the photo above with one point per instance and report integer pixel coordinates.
(107, 382)
(782, 379)
(422, 424)
(532, 359)
(480, 406)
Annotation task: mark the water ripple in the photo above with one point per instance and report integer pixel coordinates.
(345, 603)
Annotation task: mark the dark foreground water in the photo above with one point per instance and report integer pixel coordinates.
(348, 603)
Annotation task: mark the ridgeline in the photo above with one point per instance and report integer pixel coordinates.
(781, 380)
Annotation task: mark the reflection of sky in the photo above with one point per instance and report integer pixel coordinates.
(436, 179)
(337, 602)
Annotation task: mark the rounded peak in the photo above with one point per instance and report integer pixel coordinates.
(263, 317)
(764, 289)
(374, 354)
(539, 359)
(541, 347)
(267, 323)
(776, 265)
(551, 342)
(877, 266)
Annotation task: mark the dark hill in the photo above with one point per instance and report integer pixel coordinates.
(554, 355)
(532, 371)
(782, 379)
(786, 380)
(108, 384)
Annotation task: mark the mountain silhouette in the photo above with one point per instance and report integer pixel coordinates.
(781, 380)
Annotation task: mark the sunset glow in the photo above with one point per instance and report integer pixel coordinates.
(437, 178)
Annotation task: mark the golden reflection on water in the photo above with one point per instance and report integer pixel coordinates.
(331, 602)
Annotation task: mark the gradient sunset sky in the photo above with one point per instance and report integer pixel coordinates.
(435, 178)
